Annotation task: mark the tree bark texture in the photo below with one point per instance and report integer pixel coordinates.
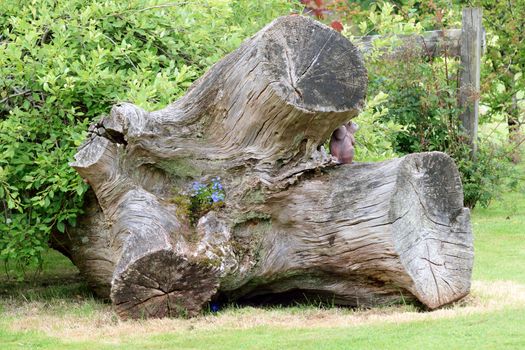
(292, 219)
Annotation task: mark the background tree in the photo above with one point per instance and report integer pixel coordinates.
(504, 64)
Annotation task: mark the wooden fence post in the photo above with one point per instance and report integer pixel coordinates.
(471, 41)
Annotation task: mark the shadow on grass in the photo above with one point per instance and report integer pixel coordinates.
(58, 279)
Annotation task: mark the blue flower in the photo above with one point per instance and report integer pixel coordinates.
(197, 186)
(216, 184)
(214, 307)
(217, 197)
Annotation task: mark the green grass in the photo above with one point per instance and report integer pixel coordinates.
(496, 330)
(57, 280)
(499, 233)
(59, 294)
(466, 332)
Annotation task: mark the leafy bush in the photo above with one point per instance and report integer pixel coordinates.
(375, 137)
(485, 177)
(420, 102)
(503, 66)
(64, 63)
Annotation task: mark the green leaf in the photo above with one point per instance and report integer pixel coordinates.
(61, 227)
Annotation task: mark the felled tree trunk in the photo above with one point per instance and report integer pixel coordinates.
(292, 219)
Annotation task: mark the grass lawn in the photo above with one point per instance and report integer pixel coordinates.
(57, 311)
(499, 233)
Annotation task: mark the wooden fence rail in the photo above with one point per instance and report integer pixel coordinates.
(431, 44)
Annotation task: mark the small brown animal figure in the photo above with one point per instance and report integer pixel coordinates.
(342, 143)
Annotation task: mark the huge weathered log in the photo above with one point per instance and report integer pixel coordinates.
(292, 219)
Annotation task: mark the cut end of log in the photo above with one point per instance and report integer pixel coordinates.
(90, 153)
(314, 67)
(431, 228)
(163, 284)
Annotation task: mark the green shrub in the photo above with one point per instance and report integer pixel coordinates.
(64, 63)
(487, 176)
(421, 103)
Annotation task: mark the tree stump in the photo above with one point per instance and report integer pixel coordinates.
(292, 219)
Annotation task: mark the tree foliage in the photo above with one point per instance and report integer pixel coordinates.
(504, 58)
(503, 90)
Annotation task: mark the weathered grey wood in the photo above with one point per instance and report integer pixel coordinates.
(429, 44)
(434, 43)
(471, 40)
(91, 247)
(361, 234)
